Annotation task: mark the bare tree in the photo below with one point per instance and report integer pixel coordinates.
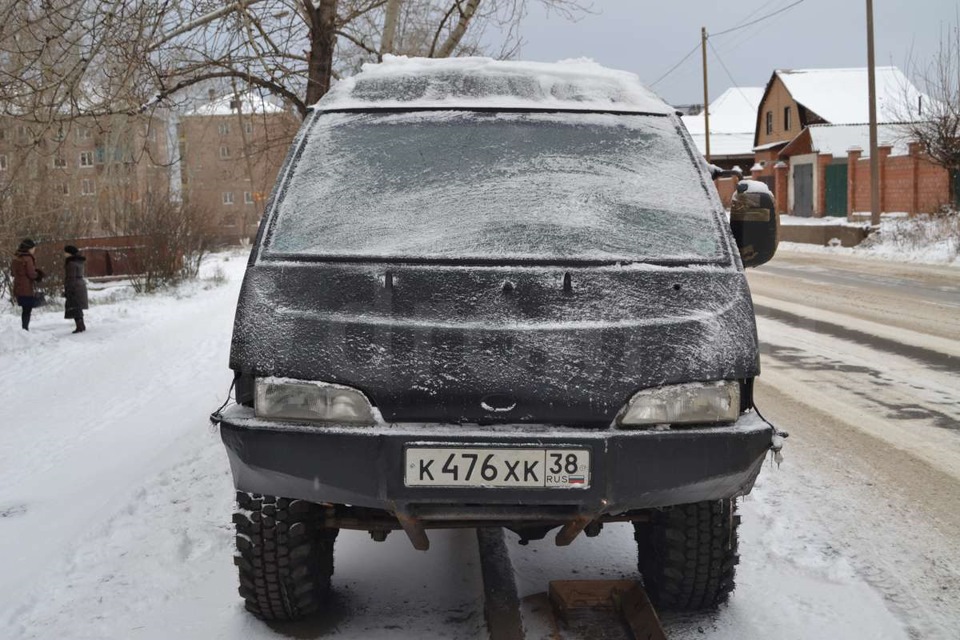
(171, 241)
(937, 128)
(62, 59)
(94, 61)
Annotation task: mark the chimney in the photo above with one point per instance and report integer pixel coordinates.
(211, 94)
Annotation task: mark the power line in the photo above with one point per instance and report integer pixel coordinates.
(742, 37)
(721, 33)
(760, 19)
(736, 85)
(757, 10)
(676, 66)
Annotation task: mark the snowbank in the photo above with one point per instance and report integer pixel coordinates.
(922, 239)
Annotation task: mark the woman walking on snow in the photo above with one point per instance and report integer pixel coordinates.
(74, 287)
(25, 274)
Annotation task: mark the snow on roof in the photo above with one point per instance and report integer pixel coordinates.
(250, 102)
(576, 85)
(770, 145)
(838, 139)
(733, 117)
(840, 96)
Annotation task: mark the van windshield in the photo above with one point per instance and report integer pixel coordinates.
(496, 186)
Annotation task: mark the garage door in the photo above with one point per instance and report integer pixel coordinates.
(803, 190)
(836, 190)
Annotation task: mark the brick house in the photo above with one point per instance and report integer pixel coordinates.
(80, 177)
(231, 149)
(811, 133)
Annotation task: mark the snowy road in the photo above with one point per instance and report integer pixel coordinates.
(115, 496)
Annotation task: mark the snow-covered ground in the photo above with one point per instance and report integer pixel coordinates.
(922, 239)
(115, 503)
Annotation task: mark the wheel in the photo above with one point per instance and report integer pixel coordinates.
(284, 556)
(688, 554)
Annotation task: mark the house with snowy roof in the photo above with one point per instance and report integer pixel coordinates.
(811, 137)
(732, 121)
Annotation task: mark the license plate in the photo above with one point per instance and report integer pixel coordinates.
(497, 468)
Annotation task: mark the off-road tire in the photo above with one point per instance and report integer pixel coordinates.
(688, 554)
(284, 556)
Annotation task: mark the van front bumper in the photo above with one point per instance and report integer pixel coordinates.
(363, 466)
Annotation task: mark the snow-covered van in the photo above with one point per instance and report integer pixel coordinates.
(496, 294)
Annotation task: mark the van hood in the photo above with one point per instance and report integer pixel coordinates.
(483, 344)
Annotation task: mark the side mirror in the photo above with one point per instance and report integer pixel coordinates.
(755, 223)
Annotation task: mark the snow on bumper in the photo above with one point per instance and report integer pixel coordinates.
(363, 466)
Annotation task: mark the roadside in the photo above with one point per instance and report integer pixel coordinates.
(923, 239)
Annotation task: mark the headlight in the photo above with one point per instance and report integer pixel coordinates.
(287, 399)
(691, 403)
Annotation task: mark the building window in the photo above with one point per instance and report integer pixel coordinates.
(786, 118)
(22, 132)
(83, 133)
(228, 197)
(228, 220)
(86, 158)
(87, 187)
(248, 127)
(3, 134)
(224, 152)
(224, 128)
(769, 122)
(3, 162)
(59, 162)
(64, 188)
(60, 135)
(247, 197)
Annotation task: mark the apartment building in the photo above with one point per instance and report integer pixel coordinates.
(231, 149)
(81, 178)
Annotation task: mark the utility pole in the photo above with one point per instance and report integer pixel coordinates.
(706, 92)
(874, 155)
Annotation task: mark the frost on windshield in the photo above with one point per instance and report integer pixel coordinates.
(456, 185)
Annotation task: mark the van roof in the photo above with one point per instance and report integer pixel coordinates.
(483, 83)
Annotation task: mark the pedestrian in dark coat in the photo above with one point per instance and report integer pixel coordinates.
(25, 275)
(74, 287)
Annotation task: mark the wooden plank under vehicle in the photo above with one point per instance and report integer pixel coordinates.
(578, 602)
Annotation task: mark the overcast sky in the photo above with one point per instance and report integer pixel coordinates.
(650, 36)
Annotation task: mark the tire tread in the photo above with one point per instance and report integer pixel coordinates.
(284, 556)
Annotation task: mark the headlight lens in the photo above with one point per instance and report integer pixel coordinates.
(286, 399)
(690, 403)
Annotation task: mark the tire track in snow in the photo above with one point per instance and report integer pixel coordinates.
(934, 359)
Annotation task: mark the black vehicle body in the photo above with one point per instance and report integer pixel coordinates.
(489, 353)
